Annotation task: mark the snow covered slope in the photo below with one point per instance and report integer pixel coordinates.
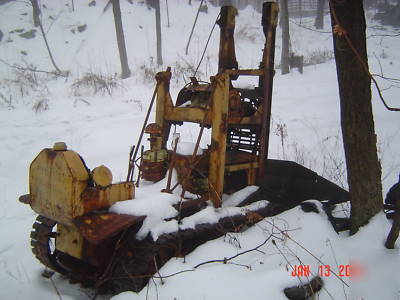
(37, 109)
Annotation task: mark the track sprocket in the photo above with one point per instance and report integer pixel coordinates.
(43, 243)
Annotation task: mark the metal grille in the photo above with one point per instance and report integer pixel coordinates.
(244, 138)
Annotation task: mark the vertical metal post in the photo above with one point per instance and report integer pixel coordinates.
(226, 22)
(219, 124)
(269, 23)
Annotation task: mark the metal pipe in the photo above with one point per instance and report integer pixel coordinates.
(269, 23)
(132, 160)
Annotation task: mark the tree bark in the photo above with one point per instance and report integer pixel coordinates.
(120, 39)
(319, 20)
(35, 12)
(359, 139)
(394, 231)
(158, 32)
(285, 37)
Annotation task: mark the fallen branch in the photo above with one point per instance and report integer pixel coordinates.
(18, 67)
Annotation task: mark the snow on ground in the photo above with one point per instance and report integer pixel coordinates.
(36, 111)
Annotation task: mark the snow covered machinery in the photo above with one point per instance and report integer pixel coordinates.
(75, 233)
(239, 119)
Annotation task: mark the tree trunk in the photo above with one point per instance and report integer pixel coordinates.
(300, 9)
(319, 20)
(36, 12)
(394, 231)
(120, 39)
(158, 32)
(359, 139)
(285, 37)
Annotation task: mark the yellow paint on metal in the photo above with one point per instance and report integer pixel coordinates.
(119, 192)
(75, 165)
(56, 181)
(60, 146)
(219, 114)
(155, 156)
(245, 72)
(102, 176)
(274, 14)
(239, 167)
(97, 198)
(186, 114)
(69, 241)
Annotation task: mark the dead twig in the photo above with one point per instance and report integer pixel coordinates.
(383, 35)
(305, 249)
(56, 289)
(225, 260)
(27, 68)
(337, 266)
(301, 262)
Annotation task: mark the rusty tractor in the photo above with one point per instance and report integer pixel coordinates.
(76, 235)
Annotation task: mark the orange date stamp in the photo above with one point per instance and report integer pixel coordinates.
(351, 270)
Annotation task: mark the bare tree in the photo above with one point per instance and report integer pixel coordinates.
(158, 33)
(319, 20)
(359, 139)
(120, 39)
(35, 12)
(285, 56)
(37, 22)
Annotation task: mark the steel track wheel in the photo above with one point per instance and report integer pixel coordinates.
(43, 243)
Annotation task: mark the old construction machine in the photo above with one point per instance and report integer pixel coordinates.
(76, 235)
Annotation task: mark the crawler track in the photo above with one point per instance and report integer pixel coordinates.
(42, 242)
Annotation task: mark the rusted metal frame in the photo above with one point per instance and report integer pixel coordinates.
(246, 72)
(186, 114)
(197, 115)
(140, 171)
(250, 167)
(253, 120)
(193, 159)
(164, 102)
(226, 22)
(99, 198)
(133, 158)
(97, 227)
(171, 167)
(239, 167)
(269, 23)
(219, 125)
(192, 166)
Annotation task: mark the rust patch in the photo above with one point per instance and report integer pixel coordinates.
(91, 199)
(224, 122)
(214, 145)
(97, 227)
(50, 154)
(153, 171)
